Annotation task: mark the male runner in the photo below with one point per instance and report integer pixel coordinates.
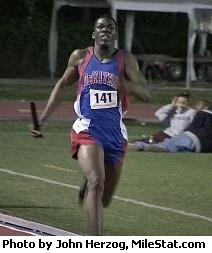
(105, 76)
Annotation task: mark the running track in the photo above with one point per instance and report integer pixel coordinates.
(12, 226)
(19, 110)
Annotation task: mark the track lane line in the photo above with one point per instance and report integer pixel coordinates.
(57, 167)
(127, 200)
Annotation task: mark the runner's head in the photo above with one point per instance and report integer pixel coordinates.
(105, 32)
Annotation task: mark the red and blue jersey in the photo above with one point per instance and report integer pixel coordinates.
(102, 100)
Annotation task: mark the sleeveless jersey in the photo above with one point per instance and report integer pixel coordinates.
(101, 99)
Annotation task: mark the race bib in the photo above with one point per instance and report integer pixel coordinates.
(100, 99)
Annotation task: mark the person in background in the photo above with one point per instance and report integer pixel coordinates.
(176, 116)
(196, 138)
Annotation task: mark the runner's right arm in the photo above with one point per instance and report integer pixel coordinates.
(70, 76)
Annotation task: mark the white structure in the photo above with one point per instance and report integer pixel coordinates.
(53, 35)
(199, 13)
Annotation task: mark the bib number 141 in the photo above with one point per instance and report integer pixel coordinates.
(103, 99)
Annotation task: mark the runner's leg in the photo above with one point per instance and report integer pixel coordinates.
(112, 175)
(91, 160)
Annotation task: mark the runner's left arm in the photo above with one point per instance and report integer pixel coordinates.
(135, 81)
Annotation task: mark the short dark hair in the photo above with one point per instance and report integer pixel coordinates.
(184, 94)
(107, 17)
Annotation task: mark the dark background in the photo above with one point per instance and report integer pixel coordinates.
(25, 27)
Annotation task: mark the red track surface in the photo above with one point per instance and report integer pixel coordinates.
(13, 226)
(9, 231)
(17, 110)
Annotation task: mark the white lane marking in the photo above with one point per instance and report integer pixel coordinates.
(11, 172)
(33, 226)
(167, 209)
(28, 111)
(18, 230)
(57, 168)
(128, 200)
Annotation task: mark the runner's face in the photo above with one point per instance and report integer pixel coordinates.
(105, 32)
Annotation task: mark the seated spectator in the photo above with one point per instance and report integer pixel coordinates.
(196, 138)
(177, 116)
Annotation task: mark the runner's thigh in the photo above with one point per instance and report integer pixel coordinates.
(91, 160)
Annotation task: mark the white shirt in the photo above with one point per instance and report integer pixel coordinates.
(179, 121)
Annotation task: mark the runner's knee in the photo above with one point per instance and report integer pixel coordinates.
(96, 183)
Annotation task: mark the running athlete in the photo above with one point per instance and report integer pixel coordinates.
(105, 75)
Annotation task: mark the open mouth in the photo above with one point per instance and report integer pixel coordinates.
(105, 37)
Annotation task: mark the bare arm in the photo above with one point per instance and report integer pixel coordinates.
(69, 77)
(164, 112)
(136, 83)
